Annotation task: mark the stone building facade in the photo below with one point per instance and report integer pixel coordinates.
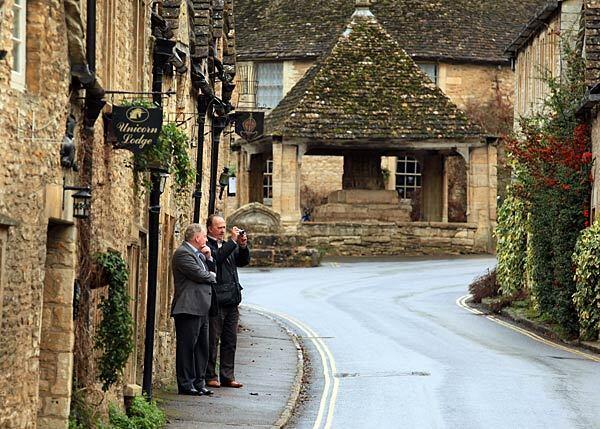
(279, 41)
(48, 303)
(539, 48)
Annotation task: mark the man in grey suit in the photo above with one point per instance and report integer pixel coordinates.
(194, 274)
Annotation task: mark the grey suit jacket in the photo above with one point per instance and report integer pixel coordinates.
(193, 283)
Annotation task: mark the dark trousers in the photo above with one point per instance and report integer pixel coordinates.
(224, 328)
(192, 350)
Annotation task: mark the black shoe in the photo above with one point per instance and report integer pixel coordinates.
(205, 392)
(189, 392)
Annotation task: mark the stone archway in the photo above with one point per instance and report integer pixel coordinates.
(57, 328)
(256, 217)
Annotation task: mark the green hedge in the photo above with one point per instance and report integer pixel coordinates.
(511, 234)
(587, 277)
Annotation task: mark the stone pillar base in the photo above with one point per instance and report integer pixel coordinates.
(364, 205)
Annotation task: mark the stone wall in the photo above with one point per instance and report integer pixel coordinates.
(43, 250)
(468, 84)
(32, 128)
(541, 55)
(406, 238)
(57, 331)
(322, 174)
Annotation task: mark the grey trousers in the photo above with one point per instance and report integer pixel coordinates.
(191, 355)
(223, 329)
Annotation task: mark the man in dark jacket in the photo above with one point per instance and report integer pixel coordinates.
(194, 276)
(228, 255)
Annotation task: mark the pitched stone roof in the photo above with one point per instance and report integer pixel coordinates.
(459, 30)
(367, 87)
(536, 22)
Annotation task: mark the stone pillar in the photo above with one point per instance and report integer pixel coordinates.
(431, 191)
(286, 183)
(243, 178)
(390, 163)
(57, 333)
(482, 194)
(445, 189)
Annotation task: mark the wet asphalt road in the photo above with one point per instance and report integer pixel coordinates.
(408, 356)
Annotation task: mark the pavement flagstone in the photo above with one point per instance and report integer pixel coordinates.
(268, 363)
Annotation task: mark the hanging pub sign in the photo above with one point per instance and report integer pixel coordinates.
(249, 125)
(136, 127)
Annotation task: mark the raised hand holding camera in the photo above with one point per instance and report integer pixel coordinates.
(242, 238)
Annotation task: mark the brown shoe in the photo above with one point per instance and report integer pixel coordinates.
(213, 383)
(232, 383)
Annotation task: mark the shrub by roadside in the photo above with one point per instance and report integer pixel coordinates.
(484, 286)
(142, 415)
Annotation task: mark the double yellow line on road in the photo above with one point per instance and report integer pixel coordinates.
(331, 382)
(462, 302)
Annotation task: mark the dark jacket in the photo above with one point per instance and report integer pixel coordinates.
(228, 258)
(193, 282)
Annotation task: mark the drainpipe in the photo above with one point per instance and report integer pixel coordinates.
(203, 103)
(218, 125)
(161, 54)
(90, 35)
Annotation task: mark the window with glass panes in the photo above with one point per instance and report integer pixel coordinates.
(268, 183)
(408, 176)
(431, 70)
(18, 43)
(269, 84)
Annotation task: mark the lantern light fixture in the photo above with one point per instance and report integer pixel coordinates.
(82, 200)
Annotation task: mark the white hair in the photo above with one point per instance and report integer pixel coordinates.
(192, 230)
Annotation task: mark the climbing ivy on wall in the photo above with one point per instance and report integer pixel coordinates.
(114, 336)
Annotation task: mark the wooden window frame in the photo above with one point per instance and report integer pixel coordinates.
(403, 189)
(268, 183)
(19, 46)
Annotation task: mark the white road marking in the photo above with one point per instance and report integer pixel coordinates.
(462, 302)
(328, 399)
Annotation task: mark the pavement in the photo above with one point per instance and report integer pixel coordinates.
(542, 329)
(268, 362)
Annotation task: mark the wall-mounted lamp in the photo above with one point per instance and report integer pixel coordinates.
(82, 200)
(162, 177)
(158, 177)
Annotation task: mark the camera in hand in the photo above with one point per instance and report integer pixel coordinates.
(241, 232)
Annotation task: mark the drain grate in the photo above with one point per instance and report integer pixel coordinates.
(383, 374)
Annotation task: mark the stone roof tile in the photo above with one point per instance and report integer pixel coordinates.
(459, 30)
(367, 87)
